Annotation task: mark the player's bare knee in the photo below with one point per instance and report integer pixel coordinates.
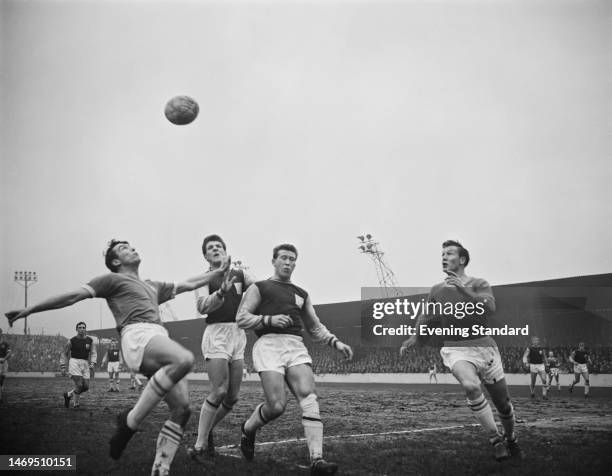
(275, 408)
(472, 390)
(185, 362)
(218, 394)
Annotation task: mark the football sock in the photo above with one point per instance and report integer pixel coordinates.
(313, 427)
(207, 417)
(222, 412)
(507, 420)
(483, 413)
(157, 388)
(256, 420)
(167, 443)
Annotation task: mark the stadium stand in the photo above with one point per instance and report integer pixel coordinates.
(40, 353)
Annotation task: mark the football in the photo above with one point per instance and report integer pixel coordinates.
(181, 110)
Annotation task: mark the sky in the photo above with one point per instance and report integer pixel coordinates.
(415, 121)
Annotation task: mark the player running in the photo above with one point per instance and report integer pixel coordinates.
(113, 357)
(223, 343)
(5, 355)
(432, 373)
(553, 363)
(581, 360)
(81, 356)
(535, 358)
(146, 346)
(473, 359)
(277, 310)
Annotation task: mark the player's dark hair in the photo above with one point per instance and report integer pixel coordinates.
(286, 247)
(110, 255)
(80, 323)
(210, 238)
(463, 253)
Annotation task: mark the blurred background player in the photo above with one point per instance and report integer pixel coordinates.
(5, 355)
(223, 342)
(432, 373)
(473, 359)
(552, 364)
(135, 380)
(80, 353)
(535, 358)
(146, 345)
(581, 359)
(113, 357)
(277, 310)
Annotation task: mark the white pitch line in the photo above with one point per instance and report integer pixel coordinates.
(357, 435)
(399, 432)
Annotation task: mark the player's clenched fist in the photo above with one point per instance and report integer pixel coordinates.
(280, 320)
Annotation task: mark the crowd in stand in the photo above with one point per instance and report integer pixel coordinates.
(35, 353)
(41, 353)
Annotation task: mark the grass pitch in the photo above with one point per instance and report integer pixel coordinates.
(370, 429)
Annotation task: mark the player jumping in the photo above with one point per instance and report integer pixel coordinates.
(223, 343)
(473, 360)
(277, 310)
(581, 360)
(146, 346)
(535, 358)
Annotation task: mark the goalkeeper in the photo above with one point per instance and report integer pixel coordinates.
(80, 354)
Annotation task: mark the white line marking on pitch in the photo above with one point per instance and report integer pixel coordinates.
(357, 435)
(398, 432)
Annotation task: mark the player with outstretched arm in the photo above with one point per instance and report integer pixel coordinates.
(145, 343)
(223, 343)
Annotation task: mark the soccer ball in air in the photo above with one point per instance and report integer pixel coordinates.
(181, 110)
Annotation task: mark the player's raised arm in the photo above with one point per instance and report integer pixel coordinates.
(211, 302)
(479, 293)
(55, 302)
(204, 278)
(320, 333)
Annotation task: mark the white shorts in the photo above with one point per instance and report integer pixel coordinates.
(78, 368)
(278, 352)
(224, 340)
(536, 368)
(112, 367)
(134, 339)
(487, 361)
(3, 366)
(581, 368)
(553, 371)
